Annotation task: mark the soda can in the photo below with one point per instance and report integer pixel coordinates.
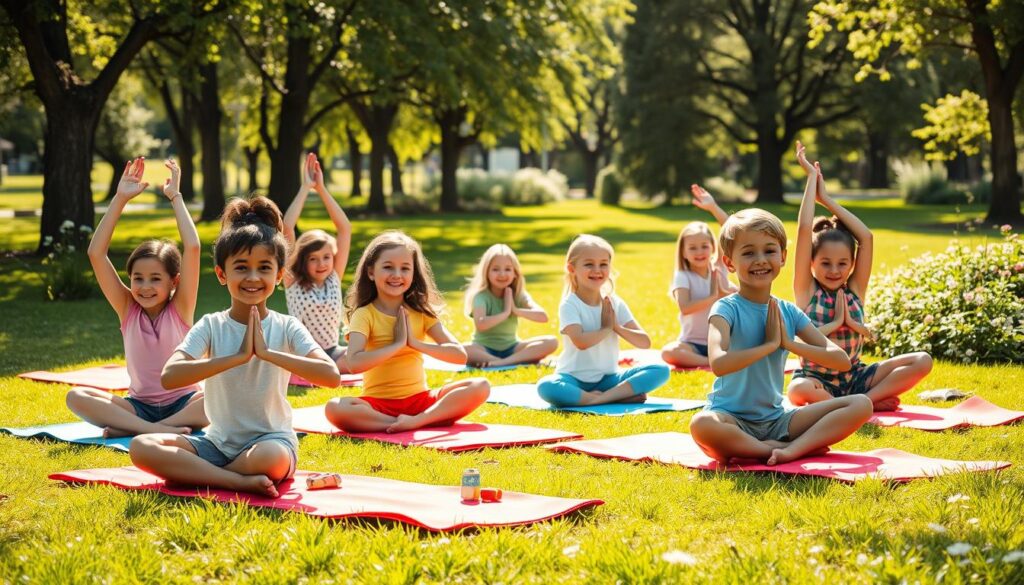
(319, 481)
(471, 484)
(490, 495)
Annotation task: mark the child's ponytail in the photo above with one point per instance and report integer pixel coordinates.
(830, 229)
(251, 222)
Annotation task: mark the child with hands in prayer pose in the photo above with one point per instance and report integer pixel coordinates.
(393, 307)
(592, 320)
(751, 333)
(246, 354)
(155, 311)
(495, 298)
(316, 265)
(699, 280)
(833, 267)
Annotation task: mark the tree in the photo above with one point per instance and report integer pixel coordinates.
(60, 54)
(990, 30)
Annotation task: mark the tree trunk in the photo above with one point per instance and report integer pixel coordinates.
(590, 170)
(451, 149)
(378, 125)
(1005, 204)
(67, 165)
(355, 160)
(396, 171)
(878, 160)
(769, 168)
(252, 160)
(210, 116)
(285, 158)
(485, 157)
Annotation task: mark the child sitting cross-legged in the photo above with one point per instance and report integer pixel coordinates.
(750, 335)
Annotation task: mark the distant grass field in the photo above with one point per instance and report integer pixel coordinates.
(737, 528)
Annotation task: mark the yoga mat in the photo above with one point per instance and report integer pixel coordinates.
(973, 412)
(111, 377)
(80, 433)
(525, 396)
(346, 380)
(432, 507)
(432, 363)
(638, 357)
(680, 449)
(458, 437)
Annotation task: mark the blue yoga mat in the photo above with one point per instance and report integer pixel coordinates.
(80, 433)
(525, 396)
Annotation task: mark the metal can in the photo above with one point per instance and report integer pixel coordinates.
(490, 495)
(319, 481)
(471, 484)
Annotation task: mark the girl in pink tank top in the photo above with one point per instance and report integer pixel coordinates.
(156, 312)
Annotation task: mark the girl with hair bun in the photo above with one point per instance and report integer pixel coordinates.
(155, 311)
(832, 270)
(246, 354)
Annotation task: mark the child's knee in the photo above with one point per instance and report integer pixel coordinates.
(923, 362)
(702, 423)
(802, 391)
(553, 391)
(142, 448)
(75, 397)
(549, 343)
(479, 388)
(274, 458)
(860, 404)
(338, 411)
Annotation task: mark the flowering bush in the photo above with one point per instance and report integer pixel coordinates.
(65, 267)
(480, 190)
(965, 304)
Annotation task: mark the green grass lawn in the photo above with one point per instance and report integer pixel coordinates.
(738, 528)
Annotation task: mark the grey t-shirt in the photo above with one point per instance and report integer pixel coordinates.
(251, 399)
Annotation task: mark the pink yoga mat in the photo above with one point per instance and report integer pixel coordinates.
(111, 377)
(638, 357)
(433, 507)
(679, 449)
(346, 380)
(973, 412)
(463, 436)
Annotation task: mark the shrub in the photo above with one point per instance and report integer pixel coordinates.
(965, 304)
(725, 190)
(610, 185)
(536, 187)
(926, 183)
(65, 268)
(480, 190)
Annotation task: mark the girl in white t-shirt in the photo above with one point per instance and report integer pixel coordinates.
(591, 320)
(699, 280)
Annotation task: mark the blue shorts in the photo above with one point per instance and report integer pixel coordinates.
(502, 353)
(156, 413)
(209, 452)
(856, 381)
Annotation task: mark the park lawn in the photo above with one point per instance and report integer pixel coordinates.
(738, 528)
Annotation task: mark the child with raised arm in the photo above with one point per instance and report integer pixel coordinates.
(700, 279)
(751, 333)
(592, 320)
(316, 266)
(393, 307)
(831, 274)
(155, 312)
(246, 355)
(495, 298)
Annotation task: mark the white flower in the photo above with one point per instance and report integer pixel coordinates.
(1014, 556)
(570, 551)
(862, 559)
(47, 240)
(816, 549)
(937, 528)
(85, 229)
(969, 353)
(71, 248)
(973, 521)
(958, 497)
(67, 225)
(958, 549)
(678, 557)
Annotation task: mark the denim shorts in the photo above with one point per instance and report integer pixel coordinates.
(856, 381)
(156, 413)
(700, 348)
(209, 452)
(774, 430)
(502, 353)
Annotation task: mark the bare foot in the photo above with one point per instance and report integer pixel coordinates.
(884, 404)
(780, 456)
(258, 484)
(112, 433)
(404, 422)
(636, 398)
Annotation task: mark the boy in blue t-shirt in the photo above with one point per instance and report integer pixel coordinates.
(750, 334)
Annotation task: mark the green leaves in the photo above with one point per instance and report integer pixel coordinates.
(957, 123)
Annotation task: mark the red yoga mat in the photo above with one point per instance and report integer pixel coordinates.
(346, 380)
(973, 412)
(111, 377)
(458, 437)
(432, 507)
(637, 357)
(680, 449)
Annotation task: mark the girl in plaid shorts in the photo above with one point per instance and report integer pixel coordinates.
(831, 277)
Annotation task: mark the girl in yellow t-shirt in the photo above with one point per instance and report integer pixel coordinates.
(392, 308)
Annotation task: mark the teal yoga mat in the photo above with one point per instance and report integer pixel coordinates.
(525, 396)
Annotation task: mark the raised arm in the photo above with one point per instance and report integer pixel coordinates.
(858, 281)
(703, 200)
(117, 294)
(803, 280)
(188, 284)
(342, 225)
(291, 216)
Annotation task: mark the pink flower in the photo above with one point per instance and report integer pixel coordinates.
(968, 296)
(1018, 267)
